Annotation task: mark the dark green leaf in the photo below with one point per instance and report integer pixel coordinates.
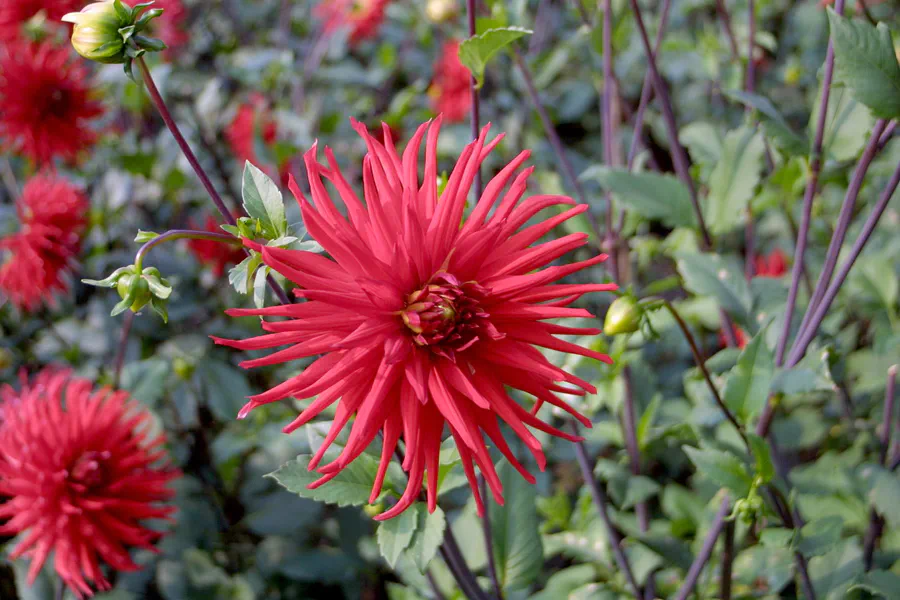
(773, 122)
(719, 277)
(652, 195)
(725, 469)
(514, 530)
(747, 387)
(879, 583)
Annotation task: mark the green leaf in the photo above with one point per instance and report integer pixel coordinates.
(428, 535)
(395, 535)
(734, 179)
(774, 123)
(639, 489)
(725, 469)
(351, 487)
(259, 286)
(865, 61)
(847, 125)
(748, 384)
(476, 52)
(719, 277)
(652, 195)
(518, 551)
(820, 536)
(879, 583)
(263, 201)
(762, 456)
(812, 374)
(884, 495)
(226, 388)
(646, 420)
(777, 537)
(239, 275)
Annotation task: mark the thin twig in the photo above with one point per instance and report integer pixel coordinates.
(452, 555)
(876, 523)
(705, 551)
(489, 540)
(727, 560)
(601, 502)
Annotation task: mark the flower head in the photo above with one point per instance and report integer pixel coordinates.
(47, 102)
(218, 256)
(38, 258)
(421, 319)
(450, 90)
(80, 475)
(362, 17)
(775, 264)
(15, 13)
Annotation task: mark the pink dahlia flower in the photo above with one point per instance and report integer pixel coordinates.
(79, 474)
(421, 318)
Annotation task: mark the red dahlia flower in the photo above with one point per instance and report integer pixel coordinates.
(80, 474)
(47, 102)
(15, 13)
(53, 218)
(217, 256)
(362, 17)
(421, 318)
(450, 90)
(773, 265)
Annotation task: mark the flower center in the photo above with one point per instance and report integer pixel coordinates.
(88, 469)
(445, 315)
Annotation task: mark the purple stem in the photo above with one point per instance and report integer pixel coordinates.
(646, 91)
(629, 428)
(843, 223)
(808, 195)
(876, 523)
(452, 555)
(163, 110)
(554, 139)
(601, 502)
(750, 84)
(705, 552)
(727, 560)
(607, 120)
(729, 32)
(679, 156)
(473, 94)
(809, 333)
(179, 234)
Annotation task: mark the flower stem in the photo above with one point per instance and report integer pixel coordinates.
(701, 364)
(473, 95)
(489, 540)
(452, 555)
(601, 502)
(178, 234)
(809, 333)
(843, 223)
(812, 184)
(727, 560)
(163, 110)
(705, 552)
(876, 523)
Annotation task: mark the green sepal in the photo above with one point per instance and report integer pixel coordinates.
(112, 279)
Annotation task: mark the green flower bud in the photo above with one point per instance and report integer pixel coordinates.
(134, 292)
(183, 368)
(624, 316)
(96, 33)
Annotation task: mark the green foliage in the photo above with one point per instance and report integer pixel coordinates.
(350, 488)
(651, 195)
(734, 179)
(477, 51)
(514, 531)
(263, 202)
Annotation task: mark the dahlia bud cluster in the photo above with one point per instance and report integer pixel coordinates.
(110, 32)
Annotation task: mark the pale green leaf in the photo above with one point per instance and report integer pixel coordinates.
(733, 181)
(725, 469)
(719, 277)
(477, 51)
(747, 387)
(428, 535)
(395, 535)
(654, 196)
(351, 487)
(263, 201)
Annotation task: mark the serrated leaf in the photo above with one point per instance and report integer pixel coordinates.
(239, 275)
(774, 123)
(748, 384)
(518, 551)
(651, 195)
(263, 201)
(719, 277)
(762, 456)
(428, 535)
(734, 179)
(725, 469)
(477, 51)
(351, 487)
(395, 535)
(864, 60)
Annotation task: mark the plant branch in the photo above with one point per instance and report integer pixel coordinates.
(705, 551)
(178, 234)
(727, 560)
(815, 321)
(601, 502)
(452, 555)
(843, 223)
(809, 193)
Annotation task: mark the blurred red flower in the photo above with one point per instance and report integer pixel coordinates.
(775, 264)
(362, 17)
(421, 318)
(53, 215)
(251, 120)
(80, 472)
(14, 14)
(170, 26)
(47, 102)
(217, 255)
(450, 89)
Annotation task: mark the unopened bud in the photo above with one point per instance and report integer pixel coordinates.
(96, 33)
(623, 316)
